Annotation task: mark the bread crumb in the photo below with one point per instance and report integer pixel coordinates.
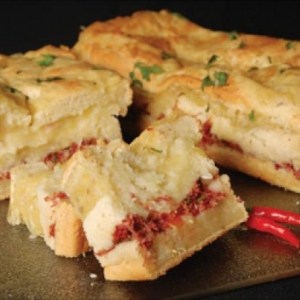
(93, 275)
(32, 236)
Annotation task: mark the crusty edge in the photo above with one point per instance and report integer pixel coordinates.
(252, 166)
(181, 242)
(4, 189)
(70, 239)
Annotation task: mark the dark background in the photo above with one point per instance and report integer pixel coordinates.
(28, 25)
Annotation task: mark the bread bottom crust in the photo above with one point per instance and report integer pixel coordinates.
(173, 246)
(4, 189)
(252, 166)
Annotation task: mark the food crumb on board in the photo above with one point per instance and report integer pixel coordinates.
(93, 275)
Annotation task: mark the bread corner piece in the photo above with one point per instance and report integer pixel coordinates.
(38, 202)
(149, 205)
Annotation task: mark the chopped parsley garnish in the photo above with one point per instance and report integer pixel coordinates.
(207, 81)
(135, 81)
(48, 60)
(207, 108)
(212, 60)
(242, 45)
(233, 35)
(219, 79)
(97, 68)
(48, 79)
(156, 150)
(166, 55)
(290, 45)
(252, 116)
(147, 70)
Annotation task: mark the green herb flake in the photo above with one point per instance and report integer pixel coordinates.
(233, 35)
(147, 70)
(207, 81)
(48, 79)
(156, 150)
(135, 82)
(220, 79)
(48, 60)
(252, 116)
(207, 108)
(166, 55)
(97, 68)
(242, 45)
(290, 45)
(212, 60)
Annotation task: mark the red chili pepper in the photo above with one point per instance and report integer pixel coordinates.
(277, 214)
(264, 224)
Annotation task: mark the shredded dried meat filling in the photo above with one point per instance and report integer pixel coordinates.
(209, 139)
(63, 155)
(144, 229)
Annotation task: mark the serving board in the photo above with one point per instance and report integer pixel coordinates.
(240, 258)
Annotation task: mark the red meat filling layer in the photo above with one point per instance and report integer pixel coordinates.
(144, 229)
(209, 139)
(59, 156)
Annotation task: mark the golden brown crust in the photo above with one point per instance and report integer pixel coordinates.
(253, 166)
(164, 31)
(70, 239)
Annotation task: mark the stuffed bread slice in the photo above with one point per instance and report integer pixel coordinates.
(49, 100)
(147, 206)
(38, 202)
